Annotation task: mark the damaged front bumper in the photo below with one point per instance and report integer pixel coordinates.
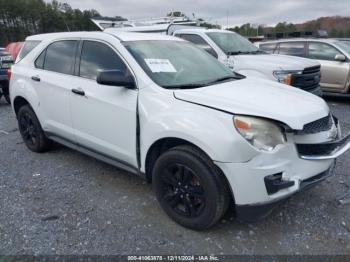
(256, 212)
(274, 178)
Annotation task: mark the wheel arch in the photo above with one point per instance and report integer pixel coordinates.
(19, 102)
(164, 144)
(160, 146)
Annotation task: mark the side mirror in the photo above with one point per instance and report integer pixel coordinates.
(340, 58)
(115, 78)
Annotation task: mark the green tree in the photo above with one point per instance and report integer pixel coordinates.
(21, 18)
(333, 33)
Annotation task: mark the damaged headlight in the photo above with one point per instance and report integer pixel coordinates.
(263, 134)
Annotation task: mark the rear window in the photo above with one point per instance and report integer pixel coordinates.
(26, 49)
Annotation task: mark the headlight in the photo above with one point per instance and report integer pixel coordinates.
(285, 77)
(262, 134)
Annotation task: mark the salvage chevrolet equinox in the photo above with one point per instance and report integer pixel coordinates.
(162, 108)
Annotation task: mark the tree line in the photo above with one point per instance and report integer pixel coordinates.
(21, 18)
(250, 30)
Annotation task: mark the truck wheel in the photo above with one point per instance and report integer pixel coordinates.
(190, 188)
(8, 99)
(31, 131)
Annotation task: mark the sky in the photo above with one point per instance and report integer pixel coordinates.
(223, 12)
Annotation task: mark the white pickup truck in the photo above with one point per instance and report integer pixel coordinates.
(164, 109)
(243, 57)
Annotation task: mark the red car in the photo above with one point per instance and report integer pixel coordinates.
(14, 48)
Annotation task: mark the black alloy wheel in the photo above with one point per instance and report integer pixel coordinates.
(190, 188)
(182, 190)
(31, 131)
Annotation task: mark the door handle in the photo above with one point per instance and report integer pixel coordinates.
(36, 78)
(78, 91)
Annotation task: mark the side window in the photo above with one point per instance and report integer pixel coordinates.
(39, 62)
(270, 48)
(294, 49)
(322, 51)
(60, 57)
(97, 56)
(200, 42)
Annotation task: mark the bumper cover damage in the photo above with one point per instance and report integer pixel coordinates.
(310, 152)
(255, 212)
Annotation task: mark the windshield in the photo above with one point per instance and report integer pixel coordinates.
(345, 45)
(233, 44)
(178, 64)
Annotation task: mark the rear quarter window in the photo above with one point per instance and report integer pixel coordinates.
(26, 49)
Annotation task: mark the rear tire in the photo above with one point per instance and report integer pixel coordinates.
(31, 131)
(190, 188)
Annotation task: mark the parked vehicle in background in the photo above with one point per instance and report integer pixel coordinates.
(160, 107)
(240, 55)
(243, 57)
(332, 54)
(6, 61)
(14, 49)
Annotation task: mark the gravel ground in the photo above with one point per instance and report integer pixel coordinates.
(63, 202)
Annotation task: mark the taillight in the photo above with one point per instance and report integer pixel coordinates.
(9, 74)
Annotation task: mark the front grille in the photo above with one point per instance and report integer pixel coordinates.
(309, 79)
(321, 149)
(321, 125)
(312, 70)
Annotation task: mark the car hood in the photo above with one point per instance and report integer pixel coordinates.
(272, 62)
(262, 98)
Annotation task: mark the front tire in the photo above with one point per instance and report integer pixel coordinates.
(31, 131)
(190, 188)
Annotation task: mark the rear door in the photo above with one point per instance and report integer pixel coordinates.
(104, 117)
(52, 78)
(334, 73)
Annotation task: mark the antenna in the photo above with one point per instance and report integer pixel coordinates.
(227, 19)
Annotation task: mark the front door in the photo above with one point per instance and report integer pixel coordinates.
(104, 117)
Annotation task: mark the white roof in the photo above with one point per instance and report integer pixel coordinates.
(122, 36)
(204, 30)
(325, 40)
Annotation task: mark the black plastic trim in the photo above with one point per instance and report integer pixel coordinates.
(275, 183)
(96, 154)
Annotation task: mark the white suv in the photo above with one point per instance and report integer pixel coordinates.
(206, 137)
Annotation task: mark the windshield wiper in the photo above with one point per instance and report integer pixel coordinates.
(237, 53)
(246, 52)
(222, 79)
(185, 86)
(258, 52)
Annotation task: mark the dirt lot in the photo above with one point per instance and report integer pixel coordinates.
(63, 202)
